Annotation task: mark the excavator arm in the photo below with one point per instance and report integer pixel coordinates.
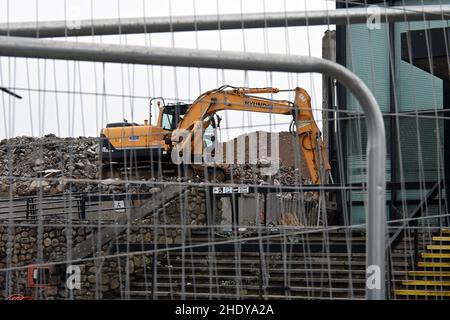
(240, 99)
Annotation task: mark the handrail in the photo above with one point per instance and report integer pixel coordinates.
(399, 234)
(221, 22)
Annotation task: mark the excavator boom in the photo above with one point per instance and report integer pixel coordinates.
(238, 99)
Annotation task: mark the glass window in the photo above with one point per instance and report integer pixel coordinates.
(172, 115)
(167, 121)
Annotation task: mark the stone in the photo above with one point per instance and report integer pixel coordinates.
(155, 190)
(52, 290)
(38, 162)
(114, 284)
(79, 165)
(60, 188)
(137, 261)
(104, 278)
(92, 279)
(192, 207)
(47, 242)
(104, 288)
(131, 266)
(36, 185)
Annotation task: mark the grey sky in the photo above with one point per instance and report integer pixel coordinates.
(43, 111)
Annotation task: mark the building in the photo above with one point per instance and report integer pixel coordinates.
(412, 100)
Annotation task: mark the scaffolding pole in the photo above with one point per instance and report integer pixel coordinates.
(43, 29)
(376, 148)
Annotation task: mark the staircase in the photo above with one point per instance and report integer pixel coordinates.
(431, 279)
(308, 266)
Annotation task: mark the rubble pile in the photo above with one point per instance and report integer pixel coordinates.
(54, 165)
(251, 174)
(51, 158)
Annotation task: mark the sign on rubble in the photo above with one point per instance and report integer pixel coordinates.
(230, 190)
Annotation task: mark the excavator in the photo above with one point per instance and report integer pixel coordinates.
(132, 145)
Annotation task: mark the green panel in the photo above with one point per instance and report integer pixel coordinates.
(421, 149)
(359, 215)
(368, 58)
(416, 89)
(356, 144)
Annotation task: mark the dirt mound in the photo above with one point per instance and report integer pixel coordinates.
(290, 156)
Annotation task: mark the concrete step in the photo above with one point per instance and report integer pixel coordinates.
(434, 264)
(428, 293)
(435, 255)
(441, 239)
(438, 247)
(429, 273)
(430, 283)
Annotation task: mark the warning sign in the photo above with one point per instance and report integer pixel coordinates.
(119, 206)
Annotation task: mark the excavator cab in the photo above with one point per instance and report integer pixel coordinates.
(172, 114)
(132, 143)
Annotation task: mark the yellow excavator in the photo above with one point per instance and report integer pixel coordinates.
(131, 145)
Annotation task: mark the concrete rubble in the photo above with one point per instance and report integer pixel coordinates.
(59, 161)
(23, 160)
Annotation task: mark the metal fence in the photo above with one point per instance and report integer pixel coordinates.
(132, 234)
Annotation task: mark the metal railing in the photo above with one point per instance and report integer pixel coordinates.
(76, 204)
